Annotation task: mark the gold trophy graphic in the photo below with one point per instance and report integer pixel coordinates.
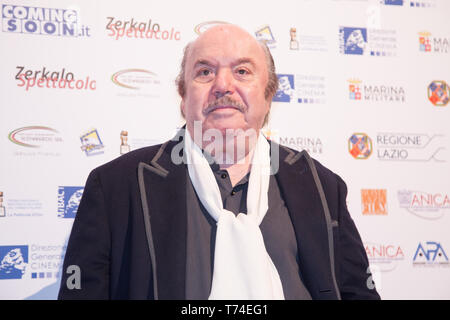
(294, 43)
(124, 147)
(2, 208)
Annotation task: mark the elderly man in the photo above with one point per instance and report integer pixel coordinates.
(218, 212)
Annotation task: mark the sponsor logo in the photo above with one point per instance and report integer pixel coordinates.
(352, 40)
(430, 206)
(46, 78)
(438, 93)
(410, 147)
(307, 42)
(424, 41)
(68, 201)
(286, 88)
(124, 146)
(385, 256)
(375, 92)
(35, 136)
(360, 146)
(365, 41)
(429, 43)
(374, 201)
(202, 27)
(42, 21)
(118, 29)
(423, 4)
(265, 35)
(46, 261)
(392, 2)
(300, 88)
(312, 145)
(431, 254)
(2, 207)
(13, 261)
(143, 83)
(293, 44)
(91, 143)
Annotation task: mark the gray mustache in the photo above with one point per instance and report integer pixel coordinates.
(223, 101)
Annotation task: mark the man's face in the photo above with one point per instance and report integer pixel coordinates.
(225, 79)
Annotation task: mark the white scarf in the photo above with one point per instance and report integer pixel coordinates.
(243, 269)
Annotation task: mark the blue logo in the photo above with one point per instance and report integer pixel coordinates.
(14, 260)
(43, 21)
(392, 2)
(431, 253)
(352, 40)
(285, 92)
(68, 201)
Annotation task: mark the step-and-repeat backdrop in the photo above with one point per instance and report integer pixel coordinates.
(363, 87)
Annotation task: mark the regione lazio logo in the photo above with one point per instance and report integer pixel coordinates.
(91, 143)
(430, 254)
(14, 261)
(286, 88)
(438, 93)
(360, 146)
(353, 40)
(374, 201)
(68, 201)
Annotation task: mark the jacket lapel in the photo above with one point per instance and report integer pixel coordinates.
(306, 208)
(163, 194)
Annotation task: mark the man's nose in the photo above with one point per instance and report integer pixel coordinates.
(223, 83)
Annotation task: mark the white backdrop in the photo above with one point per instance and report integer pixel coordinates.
(364, 90)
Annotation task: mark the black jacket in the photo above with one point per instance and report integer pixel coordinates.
(129, 234)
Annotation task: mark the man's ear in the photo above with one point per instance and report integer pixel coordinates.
(182, 106)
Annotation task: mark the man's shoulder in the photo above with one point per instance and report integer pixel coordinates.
(326, 175)
(130, 160)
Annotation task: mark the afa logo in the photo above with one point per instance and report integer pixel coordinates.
(352, 40)
(286, 88)
(13, 261)
(438, 93)
(360, 146)
(91, 143)
(431, 254)
(68, 201)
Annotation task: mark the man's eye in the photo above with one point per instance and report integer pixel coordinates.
(242, 71)
(204, 75)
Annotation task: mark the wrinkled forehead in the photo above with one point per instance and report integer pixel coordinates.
(226, 42)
